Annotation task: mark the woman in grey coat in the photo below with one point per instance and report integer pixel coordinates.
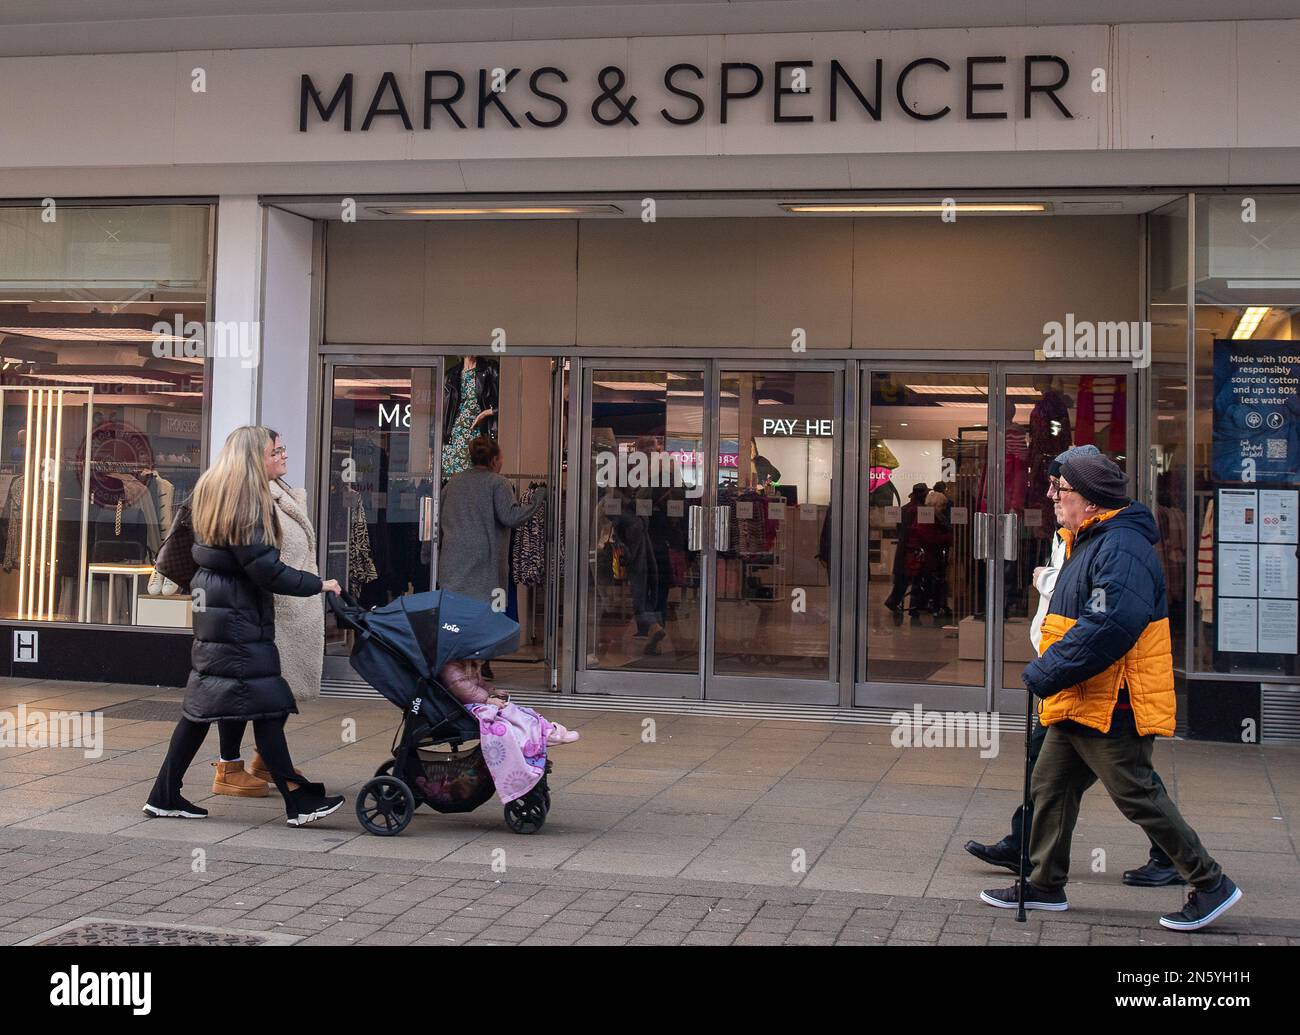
(478, 511)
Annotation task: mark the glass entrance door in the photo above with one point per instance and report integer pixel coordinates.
(645, 467)
(381, 494)
(775, 601)
(956, 520)
(707, 532)
(928, 497)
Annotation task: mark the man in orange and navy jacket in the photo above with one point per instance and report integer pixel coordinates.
(1106, 683)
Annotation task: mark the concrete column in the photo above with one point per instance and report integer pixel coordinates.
(286, 340)
(236, 312)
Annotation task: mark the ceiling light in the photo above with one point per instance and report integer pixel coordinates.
(917, 207)
(1249, 321)
(99, 379)
(968, 390)
(501, 210)
(118, 334)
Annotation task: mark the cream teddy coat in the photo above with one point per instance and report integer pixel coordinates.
(299, 621)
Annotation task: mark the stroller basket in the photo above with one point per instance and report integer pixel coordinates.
(452, 781)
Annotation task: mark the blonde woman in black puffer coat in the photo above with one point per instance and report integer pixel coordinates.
(235, 666)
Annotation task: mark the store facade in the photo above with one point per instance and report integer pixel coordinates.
(790, 327)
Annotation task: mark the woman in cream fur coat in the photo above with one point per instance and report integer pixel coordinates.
(299, 621)
(299, 637)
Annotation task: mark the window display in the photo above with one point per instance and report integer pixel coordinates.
(1247, 466)
(101, 413)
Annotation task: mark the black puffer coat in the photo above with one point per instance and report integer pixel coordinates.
(235, 666)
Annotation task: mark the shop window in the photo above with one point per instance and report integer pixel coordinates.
(103, 378)
(1246, 462)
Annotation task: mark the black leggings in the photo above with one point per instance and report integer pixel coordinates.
(231, 732)
(188, 737)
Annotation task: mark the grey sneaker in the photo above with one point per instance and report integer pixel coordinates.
(1203, 907)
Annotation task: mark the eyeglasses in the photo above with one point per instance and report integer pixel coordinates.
(1061, 490)
(279, 451)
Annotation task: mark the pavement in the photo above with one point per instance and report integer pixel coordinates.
(664, 829)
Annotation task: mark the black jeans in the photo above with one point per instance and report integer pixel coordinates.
(1157, 856)
(188, 737)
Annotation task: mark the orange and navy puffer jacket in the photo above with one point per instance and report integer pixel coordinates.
(1107, 627)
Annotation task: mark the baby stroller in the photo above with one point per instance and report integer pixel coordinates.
(399, 649)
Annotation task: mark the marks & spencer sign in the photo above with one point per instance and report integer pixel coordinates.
(858, 90)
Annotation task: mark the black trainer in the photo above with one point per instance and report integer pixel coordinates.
(310, 803)
(180, 809)
(1203, 907)
(1153, 875)
(1004, 854)
(1035, 898)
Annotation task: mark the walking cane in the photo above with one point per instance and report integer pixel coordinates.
(1024, 810)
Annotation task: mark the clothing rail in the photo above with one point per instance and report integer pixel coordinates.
(537, 477)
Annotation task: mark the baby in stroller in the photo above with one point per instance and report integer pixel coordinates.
(465, 681)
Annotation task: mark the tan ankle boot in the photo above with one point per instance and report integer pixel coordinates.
(259, 770)
(231, 779)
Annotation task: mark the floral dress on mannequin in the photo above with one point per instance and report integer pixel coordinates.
(455, 453)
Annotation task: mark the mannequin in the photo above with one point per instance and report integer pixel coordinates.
(470, 409)
(762, 473)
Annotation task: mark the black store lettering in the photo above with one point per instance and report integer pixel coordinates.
(1047, 88)
(902, 100)
(972, 87)
(342, 95)
(430, 101)
(561, 108)
(389, 81)
(778, 70)
(486, 96)
(838, 73)
(671, 87)
(728, 94)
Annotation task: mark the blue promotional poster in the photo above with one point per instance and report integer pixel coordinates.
(1257, 412)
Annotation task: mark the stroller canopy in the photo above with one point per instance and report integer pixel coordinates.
(431, 629)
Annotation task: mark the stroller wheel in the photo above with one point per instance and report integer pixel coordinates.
(385, 806)
(527, 814)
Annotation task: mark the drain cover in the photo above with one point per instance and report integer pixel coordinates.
(145, 711)
(92, 931)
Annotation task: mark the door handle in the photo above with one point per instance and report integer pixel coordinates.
(426, 518)
(695, 528)
(980, 536)
(1010, 536)
(722, 529)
